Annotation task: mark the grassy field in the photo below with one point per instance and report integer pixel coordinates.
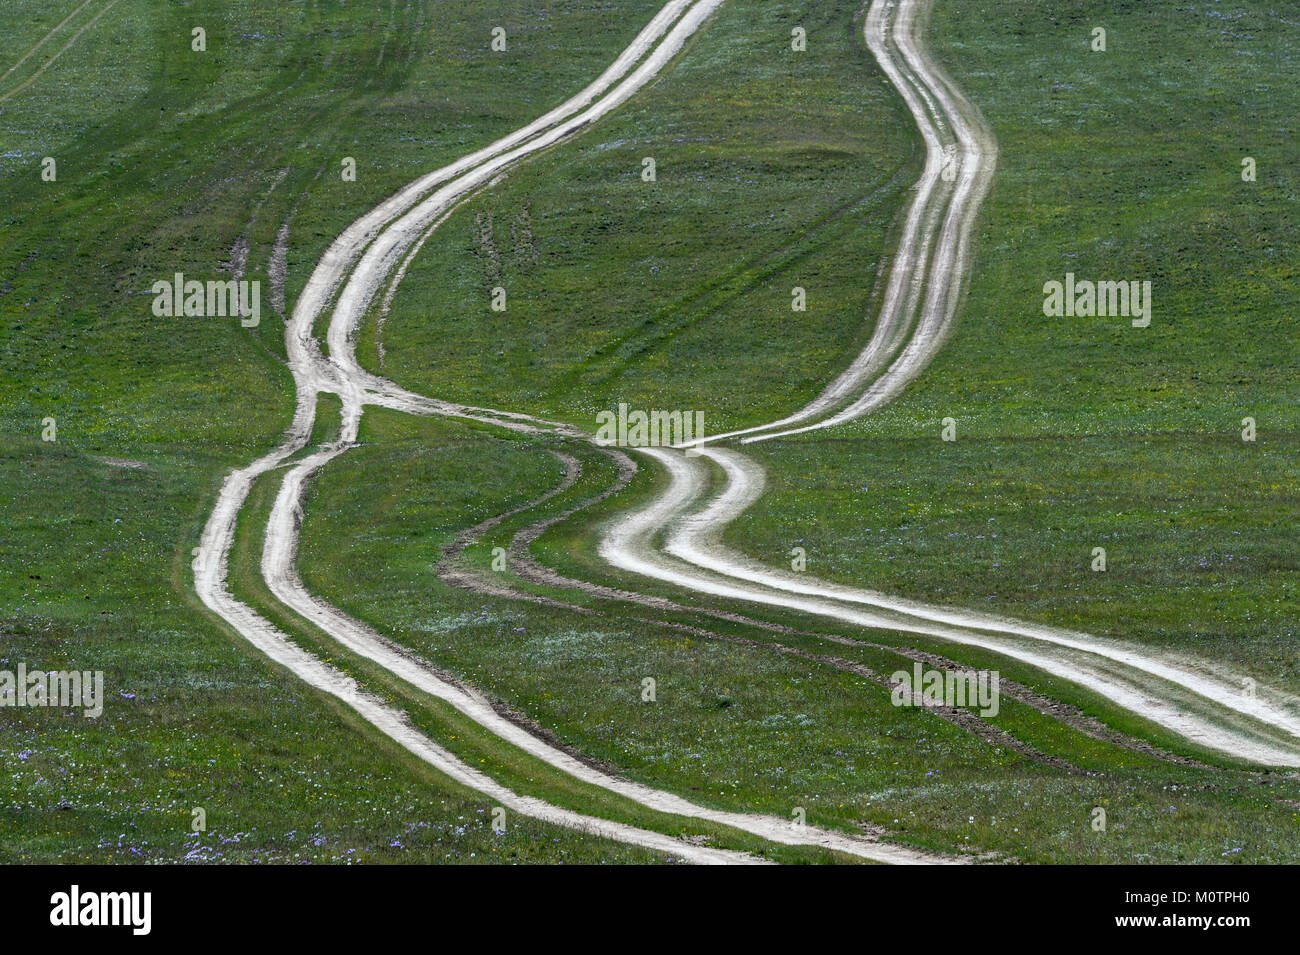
(737, 726)
(674, 293)
(774, 169)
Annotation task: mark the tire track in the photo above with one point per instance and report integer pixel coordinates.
(1193, 701)
(1188, 697)
(527, 569)
(50, 62)
(41, 42)
(355, 266)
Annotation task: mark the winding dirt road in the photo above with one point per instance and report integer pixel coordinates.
(672, 538)
(1193, 699)
(359, 261)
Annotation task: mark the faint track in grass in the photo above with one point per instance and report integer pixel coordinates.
(50, 62)
(41, 42)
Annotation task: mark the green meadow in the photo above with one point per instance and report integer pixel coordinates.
(773, 169)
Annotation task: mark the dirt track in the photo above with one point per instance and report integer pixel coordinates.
(1201, 702)
(924, 287)
(359, 261)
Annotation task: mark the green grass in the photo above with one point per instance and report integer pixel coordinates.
(774, 169)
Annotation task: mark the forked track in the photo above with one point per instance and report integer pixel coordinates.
(358, 262)
(924, 288)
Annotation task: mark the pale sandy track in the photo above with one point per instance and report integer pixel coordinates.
(910, 268)
(1194, 699)
(359, 261)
